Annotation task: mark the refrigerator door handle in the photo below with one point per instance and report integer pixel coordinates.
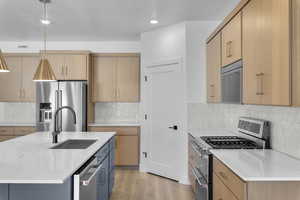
(60, 114)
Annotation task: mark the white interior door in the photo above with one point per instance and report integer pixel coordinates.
(165, 103)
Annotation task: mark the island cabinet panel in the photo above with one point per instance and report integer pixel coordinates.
(232, 41)
(213, 70)
(267, 52)
(4, 192)
(126, 144)
(116, 78)
(42, 191)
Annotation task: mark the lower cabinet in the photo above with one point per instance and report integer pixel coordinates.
(228, 186)
(9, 132)
(126, 144)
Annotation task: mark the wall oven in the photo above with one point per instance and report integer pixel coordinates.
(232, 83)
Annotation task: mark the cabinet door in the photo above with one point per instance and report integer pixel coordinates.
(76, 67)
(266, 52)
(220, 191)
(213, 70)
(104, 81)
(128, 73)
(20, 131)
(57, 63)
(127, 150)
(10, 83)
(232, 41)
(29, 66)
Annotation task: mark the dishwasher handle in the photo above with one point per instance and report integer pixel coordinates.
(92, 171)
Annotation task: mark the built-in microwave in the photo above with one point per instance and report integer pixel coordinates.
(232, 83)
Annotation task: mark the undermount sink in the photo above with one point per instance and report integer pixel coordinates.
(74, 144)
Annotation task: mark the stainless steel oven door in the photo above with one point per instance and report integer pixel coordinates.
(201, 186)
(232, 82)
(199, 160)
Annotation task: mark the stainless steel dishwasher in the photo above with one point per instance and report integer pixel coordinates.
(86, 181)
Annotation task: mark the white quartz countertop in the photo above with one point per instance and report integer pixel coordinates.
(29, 160)
(260, 165)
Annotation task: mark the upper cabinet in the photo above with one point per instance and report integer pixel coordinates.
(265, 35)
(213, 70)
(115, 78)
(70, 65)
(232, 41)
(266, 52)
(17, 85)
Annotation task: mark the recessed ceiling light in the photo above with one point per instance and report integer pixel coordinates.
(45, 21)
(153, 21)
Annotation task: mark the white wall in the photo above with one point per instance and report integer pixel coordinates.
(96, 46)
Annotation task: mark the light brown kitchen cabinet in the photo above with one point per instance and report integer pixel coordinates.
(103, 78)
(232, 41)
(116, 78)
(69, 65)
(221, 192)
(213, 70)
(17, 85)
(229, 186)
(266, 52)
(126, 144)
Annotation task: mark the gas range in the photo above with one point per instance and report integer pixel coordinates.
(251, 134)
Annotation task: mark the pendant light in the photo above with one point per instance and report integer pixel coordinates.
(44, 71)
(3, 65)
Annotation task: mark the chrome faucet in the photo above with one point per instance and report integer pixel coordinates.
(56, 131)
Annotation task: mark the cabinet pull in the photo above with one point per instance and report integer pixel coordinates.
(260, 79)
(62, 70)
(229, 49)
(67, 71)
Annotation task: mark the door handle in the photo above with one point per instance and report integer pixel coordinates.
(175, 127)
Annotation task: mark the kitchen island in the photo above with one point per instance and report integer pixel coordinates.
(30, 169)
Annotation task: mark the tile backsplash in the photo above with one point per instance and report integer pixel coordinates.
(117, 112)
(285, 121)
(23, 113)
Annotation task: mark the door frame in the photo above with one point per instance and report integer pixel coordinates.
(145, 130)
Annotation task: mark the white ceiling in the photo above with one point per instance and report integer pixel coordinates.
(98, 20)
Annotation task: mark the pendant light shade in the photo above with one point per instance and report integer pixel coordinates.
(44, 72)
(3, 65)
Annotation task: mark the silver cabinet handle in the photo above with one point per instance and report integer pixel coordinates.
(96, 169)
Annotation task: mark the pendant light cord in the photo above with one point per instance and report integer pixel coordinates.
(45, 31)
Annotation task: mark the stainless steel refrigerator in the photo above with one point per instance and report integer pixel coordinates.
(53, 95)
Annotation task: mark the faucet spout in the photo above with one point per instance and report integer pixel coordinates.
(57, 131)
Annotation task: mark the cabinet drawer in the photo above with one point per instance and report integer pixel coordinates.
(5, 131)
(20, 131)
(232, 181)
(220, 191)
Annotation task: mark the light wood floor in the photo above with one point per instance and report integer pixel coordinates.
(134, 185)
